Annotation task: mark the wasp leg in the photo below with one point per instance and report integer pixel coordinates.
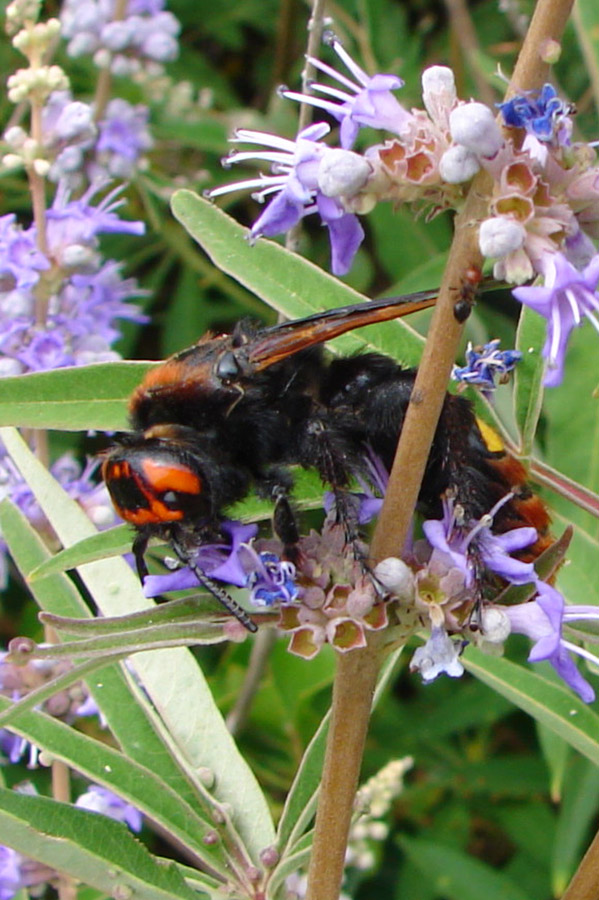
(335, 459)
(215, 589)
(140, 545)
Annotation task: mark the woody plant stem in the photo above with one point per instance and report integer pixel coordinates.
(357, 671)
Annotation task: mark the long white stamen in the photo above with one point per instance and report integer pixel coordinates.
(267, 155)
(262, 182)
(327, 105)
(590, 615)
(333, 92)
(260, 196)
(329, 70)
(555, 338)
(592, 319)
(353, 67)
(574, 304)
(242, 136)
(580, 651)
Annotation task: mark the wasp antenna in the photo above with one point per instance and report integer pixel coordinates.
(215, 589)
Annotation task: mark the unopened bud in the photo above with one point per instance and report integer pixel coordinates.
(438, 92)
(41, 167)
(550, 51)
(458, 164)
(396, 577)
(499, 236)
(474, 126)
(495, 625)
(342, 172)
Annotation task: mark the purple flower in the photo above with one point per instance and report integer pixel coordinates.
(68, 131)
(303, 182)
(73, 226)
(485, 364)
(270, 578)
(10, 872)
(146, 33)
(80, 325)
(464, 543)
(18, 872)
(542, 620)
(101, 800)
(124, 137)
(541, 113)
(219, 561)
(367, 102)
(439, 656)
(20, 260)
(566, 296)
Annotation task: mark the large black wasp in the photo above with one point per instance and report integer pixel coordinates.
(236, 411)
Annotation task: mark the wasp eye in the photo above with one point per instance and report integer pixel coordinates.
(227, 368)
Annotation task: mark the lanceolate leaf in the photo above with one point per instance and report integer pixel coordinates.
(528, 380)
(285, 281)
(88, 846)
(553, 704)
(71, 399)
(128, 778)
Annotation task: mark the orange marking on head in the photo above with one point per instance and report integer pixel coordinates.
(157, 514)
(114, 470)
(168, 477)
(170, 372)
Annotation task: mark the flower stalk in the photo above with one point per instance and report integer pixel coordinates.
(357, 671)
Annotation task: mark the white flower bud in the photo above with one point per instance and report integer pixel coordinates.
(438, 92)
(396, 577)
(342, 172)
(499, 236)
(77, 256)
(458, 164)
(41, 167)
(474, 126)
(15, 137)
(12, 161)
(9, 366)
(495, 624)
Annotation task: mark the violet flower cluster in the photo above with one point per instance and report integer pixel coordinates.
(542, 212)
(61, 302)
(146, 36)
(444, 583)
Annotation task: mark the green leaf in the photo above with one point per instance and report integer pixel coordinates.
(553, 704)
(73, 399)
(576, 816)
(90, 847)
(457, 876)
(130, 779)
(285, 281)
(528, 379)
(131, 718)
(585, 17)
(172, 678)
